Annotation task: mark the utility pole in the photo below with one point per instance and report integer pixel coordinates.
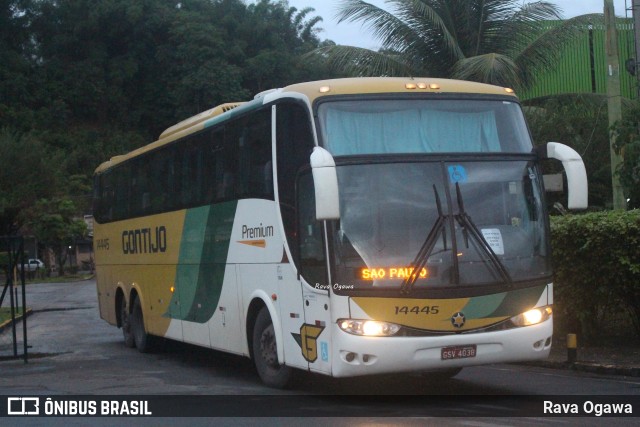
(636, 31)
(614, 99)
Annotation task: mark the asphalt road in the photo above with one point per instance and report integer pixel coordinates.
(74, 352)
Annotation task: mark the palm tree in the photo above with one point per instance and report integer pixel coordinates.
(501, 42)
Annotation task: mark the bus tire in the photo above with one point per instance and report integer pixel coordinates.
(125, 321)
(265, 354)
(143, 340)
(441, 374)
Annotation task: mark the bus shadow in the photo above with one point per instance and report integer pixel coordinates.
(229, 366)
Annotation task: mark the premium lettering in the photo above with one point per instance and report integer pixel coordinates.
(257, 232)
(144, 240)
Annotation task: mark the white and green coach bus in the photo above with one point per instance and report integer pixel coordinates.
(345, 227)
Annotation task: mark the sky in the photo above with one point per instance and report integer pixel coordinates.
(352, 34)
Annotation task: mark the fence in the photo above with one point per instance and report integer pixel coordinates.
(583, 65)
(12, 297)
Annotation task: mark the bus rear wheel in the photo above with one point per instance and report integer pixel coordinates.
(125, 321)
(143, 341)
(265, 355)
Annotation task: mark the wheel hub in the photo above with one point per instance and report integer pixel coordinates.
(268, 347)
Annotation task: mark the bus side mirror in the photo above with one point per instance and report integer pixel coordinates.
(325, 182)
(574, 168)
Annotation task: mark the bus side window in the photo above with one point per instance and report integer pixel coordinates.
(105, 196)
(261, 167)
(191, 168)
(232, 139)
(122, 189)
(312, 255)
(212, 148)
(294, 143)
(254, 147)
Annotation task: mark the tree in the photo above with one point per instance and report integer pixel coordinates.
(84, 80)
(277, 37)
(628, 143)
(55, 225)
(580, 121)
(501, 42)
(27, 173)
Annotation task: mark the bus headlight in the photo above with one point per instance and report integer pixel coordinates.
(369, 328)
(532, 317)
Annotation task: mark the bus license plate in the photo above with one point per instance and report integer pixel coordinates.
(458, 352)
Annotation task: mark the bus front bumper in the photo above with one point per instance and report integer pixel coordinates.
(358, 355)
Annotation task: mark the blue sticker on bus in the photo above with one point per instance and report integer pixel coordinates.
(457, 173)
(324, 351)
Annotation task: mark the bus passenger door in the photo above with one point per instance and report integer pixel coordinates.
(315, 334)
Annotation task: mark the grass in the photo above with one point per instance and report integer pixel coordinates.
(61, 279)
(5, 313)
(53, 279)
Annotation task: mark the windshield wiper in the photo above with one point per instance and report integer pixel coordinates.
(427, 247)
(469, 230)
(468, 227)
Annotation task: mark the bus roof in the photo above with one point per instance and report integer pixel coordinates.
(314, 90)
(373, 85)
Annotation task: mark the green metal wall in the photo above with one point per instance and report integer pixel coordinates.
(574, 72)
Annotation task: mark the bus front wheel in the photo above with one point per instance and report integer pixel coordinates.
(143, 340)
(265, 355)
(125, 321)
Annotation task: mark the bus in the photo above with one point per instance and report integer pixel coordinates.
(344, 227)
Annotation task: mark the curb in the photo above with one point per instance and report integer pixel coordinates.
(7, 323)
(592, 367)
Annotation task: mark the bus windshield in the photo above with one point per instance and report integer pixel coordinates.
(389, 210)
(467, 218)
(423, 126)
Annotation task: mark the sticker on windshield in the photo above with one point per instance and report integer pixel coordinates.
(494, 239)
(457, 173)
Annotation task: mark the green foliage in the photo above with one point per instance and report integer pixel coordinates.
(597, 268)
(627, 134)
(579, 121)
(500, 42)
(4, 262)
(27, 173)
(84, 80)
(54, 222)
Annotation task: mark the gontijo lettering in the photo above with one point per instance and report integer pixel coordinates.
(144, 240)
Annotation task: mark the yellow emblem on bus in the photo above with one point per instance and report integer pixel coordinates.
(307, 339)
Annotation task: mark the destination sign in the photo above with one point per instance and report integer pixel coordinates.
(390, 273)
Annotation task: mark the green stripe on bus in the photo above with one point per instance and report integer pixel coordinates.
(202, 262)
(484, 306)
(519, 301)
(248, 106)
(504, 304)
